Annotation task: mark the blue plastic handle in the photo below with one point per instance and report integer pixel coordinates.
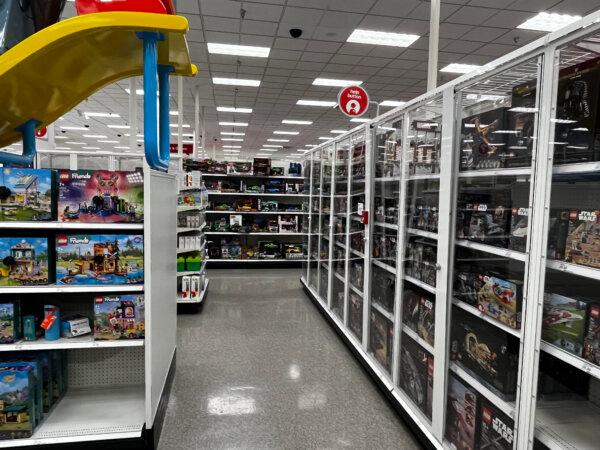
(29, 151)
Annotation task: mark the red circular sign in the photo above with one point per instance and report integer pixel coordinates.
(353, 101)
(41, 132)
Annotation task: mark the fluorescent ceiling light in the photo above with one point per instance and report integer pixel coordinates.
(273, 145)
(272, 150)
(62, 148)
(459, 68)
(187, 142)
(335, 82)
(278, 140)
(338, 131)
(101, 114)
(322, 103)
(232, 146)
(262, 154)
(61, 137)
(119, 127)
(234, 110)
(548, 22)
(175, 125)
(173, 113)
(289, 133)
(360, 120)
(75, 143)
(91, 148)
(233, 124)
(232, 133)
(137, 91)
(393, 103)
(326, 138)
(75, 128)
(95, 136)
(238, 50)
(310, 145)
(233, 139)
(121, 147)
(104, 141)
(522, 109)
(140, 140)
(182, 135)
(236, 81)
(382, 38)
(297, 122)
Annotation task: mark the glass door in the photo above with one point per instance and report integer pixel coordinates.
(325, 222)
(307, 216)
(315, 220)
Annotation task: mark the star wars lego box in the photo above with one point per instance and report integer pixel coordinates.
(383, 288)
(355, 314)
(426, 323)
(582, 245)
(591, 344)
(99, 259)
(557, 234)
(381, 338)
(489, 225)
(484, 139)
(461, 414)
(501, 299)
(564, 322)
(521, 124)
(93, 196)
(496, 429)
(411, 302)
(119, 317)
(27, 195)
(24, 261)
(415, 374)
(519, 224)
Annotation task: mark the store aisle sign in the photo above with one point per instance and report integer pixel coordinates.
(41, 133)
(353, 101)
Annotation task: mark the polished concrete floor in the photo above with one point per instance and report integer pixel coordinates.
(260, 368)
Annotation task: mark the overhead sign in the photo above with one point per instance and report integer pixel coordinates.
(353, 101)
(41, 133)
(188, 149)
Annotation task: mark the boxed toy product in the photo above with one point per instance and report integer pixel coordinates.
(411, 302)
(381, 338)
(10, 322)
(119, 317)
(17, 407)
(27, 195)
(519, 223)
(461, 414)
(262, 166)
(491, 354)
(416, 374)
(591, 343)
(21, 361)
(582, 245)
(104, 259)
(564, 322)
(100, 196)
(426, 323)
(292, 251)
(383, 290)
(500, 298)
(522, 124)
(489, 225)
(557, 234)
(23, 261)
(467, 285)
(355, 314)
(231, 249)
(496, 429)
(484, 140)
(269, 250)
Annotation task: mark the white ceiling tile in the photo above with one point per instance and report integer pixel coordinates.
(220, 8)
(359, 6)
(322, 47)
(222, 23)
(483, 34)
(290, 44)
(392, 7)
(259, 27)
(257, 11)
(302, 17)
(471, 15)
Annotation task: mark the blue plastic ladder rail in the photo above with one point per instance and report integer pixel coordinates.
(28, 155)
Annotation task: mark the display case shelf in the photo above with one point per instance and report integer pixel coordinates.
(510, 254)
(339, 277)
(571, 359)
(249, 261)
(387, 179)
(262, 233)
(355, 289)
(422, 233)
(181, 251)
(58, 289)
(567, 425)
(71, 226)
(285, 213)
(476, 312)
(574, 269)
(415, 337)
(388, 315)
(579, 168)
(256, 177)
(189, 229)
(386, 225)
(420, 284)
(200, 299)
(185, 208)
(70, 343)
(254, 194)
(425, 176)
(384, 266)
(508, 172)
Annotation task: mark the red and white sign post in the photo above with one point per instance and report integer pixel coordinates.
(353, 101)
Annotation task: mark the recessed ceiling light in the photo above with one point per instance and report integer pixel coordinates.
(262, 154)
(173, 113)
(232, 133)
(104, 141)
(121, 147)
(459, 68)
(137, 91)
(269, 150)
(233, 124)
(232, 146)
(75, 128)
(101, 114)
(322, 103)
(382, 38)
(234, 110)
(393, 103)
(273, 145)
(61, 137)
(289, 133)
(335, 82)
(62, 148)
(548, 22)
(182, 135)
(360, 120)
(338, 131)
(297, 122)
(175, 125)
(119, 127)
(310, 145)
(91, 148)
(75, 143)
(233, 139)
(236, 82)
(278, 140)
(139, 140)
(238, 50)
(95, 136)
(187, 142)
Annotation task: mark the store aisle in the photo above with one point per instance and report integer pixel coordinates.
(261, 369)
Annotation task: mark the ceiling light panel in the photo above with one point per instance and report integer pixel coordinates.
(326, 138)
(232, 139)
(273, 145)
(393, 103)
(234, 110)
(95, 136)
(335, 82)
(232, 133)
(101, 114)
(75, 128)
(459, 68)
(360, 120)
(278, 140)
(233, 124)
(238, 50)
(548, 22)
(236, 81)
(297, 122)
(232, 146)
(289, 133)
(175, 125)
(321, 103)
(119, 127)
(359, 36)
(337, 131)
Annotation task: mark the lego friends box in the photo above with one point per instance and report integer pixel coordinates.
(92, 196)
(99, 259)
(26, 195)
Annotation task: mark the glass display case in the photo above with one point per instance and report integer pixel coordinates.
(325, 221)
(314, 249)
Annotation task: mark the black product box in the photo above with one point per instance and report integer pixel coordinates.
(564, 322)
(383, 288)
(519, 224)
(269, 250)
(426, 324)
(521, 124)
(381, 339)
(357, 274)
(582, 245)
(484, 142)
(591, 345)
(411, 302)
(213, 250)
(421, 260)
(355, 314)
(489, 225)
(261, 166)
(461, 414)
(423, 217)
(277, 171)
(467, 285)
(416, 374)
(496, 429)
(491, 354)
(557, 234)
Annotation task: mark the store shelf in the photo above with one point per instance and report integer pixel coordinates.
(193, 272)
(384, 266)
(420, 284)
(426, 176)
(415, 337)
(422, 233)
(340, 277)
(510, 254)
(265, 233)
(388, 315)
(257, 177)
(57, 289)
(244, 261)
(510, 172)
(476, 312)
(188, 229)
(185, 208)
(385, 179)
(567, 425)
(507, 408)
(86, 415)
(200, 299)
(574, 269)
(189, 188)
(255, 213)
(256, 194)
(70, 343)
(355, 289)
(580, 168)
(571, 359)
(191, 250)
(71, 226)
(386, 225)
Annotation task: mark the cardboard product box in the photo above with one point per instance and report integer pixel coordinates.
(496, 429)
(93, 196)
(119, 317)
(383, 288)
(414, 374)
(293, 251)
(27, 195)
(357, 274)
(489, 353)
(20, 361)
(461, 414)
(10, 322)
(268, 205)
(521, 124)
(519, 225)
(428, 273)
(564, 322)
(17, 402)
(186, 287)
(277, 171)
(582, 245)
(490, 225)
(591, 343)
(501, 299)
(414, 259)
(381, 339)
(355, 314)
(213, 250)
(557, 234)
(484, 140)
(231, 249)
(99, 259)
(467, 285)
(426, 322)
(24, 261)
(269, 250)
(411, 303)
(261, 166)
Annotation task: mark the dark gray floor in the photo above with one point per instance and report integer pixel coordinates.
(260, 368)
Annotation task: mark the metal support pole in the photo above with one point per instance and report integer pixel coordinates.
(133, 120)
(197, 131)
(164, 121)
(434, 41)
(203, 130)
(180, 116)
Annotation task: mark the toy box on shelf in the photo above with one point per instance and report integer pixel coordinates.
(496, 429)
(411, 303)
(383, 288)
(416, 374)
(519, 224)
(100, 196)
(239, 168)
(10, 322)
(27, 195)
(421, 260)
(380, 339)
(288, 224)
(426, 322)
(95, 259)
(293, 252)
(119, 317)
(355, 314)
(582, 244)
(485, 223)
(461, 414)
(262, 166)
(24, 261)
(17, 406)
(564, 322)
(484, 138)
(591, 343)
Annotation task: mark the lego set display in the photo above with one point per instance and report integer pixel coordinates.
(383, 288)
(461, 414)
(421, 260)
(381, 338)
(564, 322)
(24, 261)
(416, 374)
(119, 317)
(27, 195)
(355, 314)
(582, 245)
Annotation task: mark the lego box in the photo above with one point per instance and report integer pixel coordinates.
(26, 195)
(461, 415)
(99, 259)
(23, 261)
(93, 196)
(426, 324)
(564, 322)
(119, 317)
(496, 429)
(10, 322)
(591, 346)
(501, 299)
(17, 408)
(583, 238)
(415, 374)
